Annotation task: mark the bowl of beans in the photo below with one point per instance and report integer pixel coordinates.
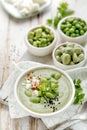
(73, 29)
(69, 55)
(40, 40)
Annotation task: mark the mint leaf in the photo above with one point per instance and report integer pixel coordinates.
(49, 21)
(56, 21)
(79, 95)
(64, 5)
(78, 91)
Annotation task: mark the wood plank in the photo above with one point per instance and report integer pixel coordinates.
(0, 114)
(4, 124)
(4, 22)
(41, 126)
(6, 53)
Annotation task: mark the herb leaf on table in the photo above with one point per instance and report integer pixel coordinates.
(62, 11)
(79, 95)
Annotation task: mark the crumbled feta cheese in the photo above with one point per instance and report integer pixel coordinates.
(10, 1)
(17, 3)
(47, 89)
(35, 81)
(23, 84)
(28, 81)
(28, 86)
(35, 93)
(24, 6)
(35, 7)
(39, 1)
(24, 11)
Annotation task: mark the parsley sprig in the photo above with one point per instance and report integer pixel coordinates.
(62, 11)
(79, 95)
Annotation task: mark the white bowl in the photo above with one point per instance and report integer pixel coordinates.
(80, 39)
(66, 67)
(66, 80)
(40, 51)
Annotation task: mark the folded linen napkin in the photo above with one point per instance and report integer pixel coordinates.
(17, 112)
(73, 109)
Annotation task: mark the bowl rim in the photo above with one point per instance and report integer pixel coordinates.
(69, 66)
(28, 44)
(40, 115)
(63, 34)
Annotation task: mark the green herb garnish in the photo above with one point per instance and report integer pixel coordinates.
(49, 21)
(79, 95)
(62, 11)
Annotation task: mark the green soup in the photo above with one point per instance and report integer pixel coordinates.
(44, 90)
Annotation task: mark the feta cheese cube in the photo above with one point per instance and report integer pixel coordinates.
(28, 81)
(28, 86)
(35, 93)
(10, 1)
(23, 84)
(24, 11)
(39, 1)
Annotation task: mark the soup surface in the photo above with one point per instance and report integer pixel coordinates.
(44, 90)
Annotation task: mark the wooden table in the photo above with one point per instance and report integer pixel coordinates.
(12, 47)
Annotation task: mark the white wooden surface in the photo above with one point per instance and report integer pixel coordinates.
(12, 48)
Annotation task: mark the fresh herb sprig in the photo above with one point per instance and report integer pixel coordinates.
(79, 95)
(62, 11)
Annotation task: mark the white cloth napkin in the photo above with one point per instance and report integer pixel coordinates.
(73, 109)
(17, 112)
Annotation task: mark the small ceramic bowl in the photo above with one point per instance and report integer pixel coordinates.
(70, 66)
(80, 39)
(40, 51)
(36, 109)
